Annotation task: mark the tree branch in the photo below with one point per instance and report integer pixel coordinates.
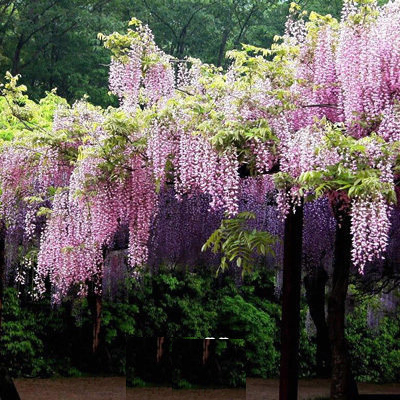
(160, 18)
(37, 52)
(327, 105)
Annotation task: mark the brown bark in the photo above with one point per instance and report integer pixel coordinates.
(290, 327)
(206, 350)
(160, 348)
(314, 284)
(343, 386)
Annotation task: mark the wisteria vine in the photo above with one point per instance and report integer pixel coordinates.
(317, 114)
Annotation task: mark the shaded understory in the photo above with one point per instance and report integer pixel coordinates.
(44, 341)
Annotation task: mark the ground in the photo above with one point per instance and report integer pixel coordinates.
(72, 388)
(113, 388)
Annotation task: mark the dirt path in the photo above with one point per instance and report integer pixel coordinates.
(185, 394)
(113, 388)
(268, 389)
(72, 388)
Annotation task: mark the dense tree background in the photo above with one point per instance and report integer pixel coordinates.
(53, 43)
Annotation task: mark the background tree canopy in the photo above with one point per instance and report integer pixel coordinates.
(53, 44)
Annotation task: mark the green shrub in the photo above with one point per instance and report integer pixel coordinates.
(375, 353)
(178, 304)
(21, 348)
(174, 303)
(42, 340)
(253, 333)
(307, 349)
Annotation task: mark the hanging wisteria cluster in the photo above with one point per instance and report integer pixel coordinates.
(348, 75)
(140, 72)
(314, 117)
(84, 221)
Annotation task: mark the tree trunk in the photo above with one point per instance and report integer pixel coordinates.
(343, 386)
(8, 390)
(160, 348)
(290, 328)
(222, 47)
(315, 283)
(180, 47)
(95, 306)
(206, 350)
(17, 57)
